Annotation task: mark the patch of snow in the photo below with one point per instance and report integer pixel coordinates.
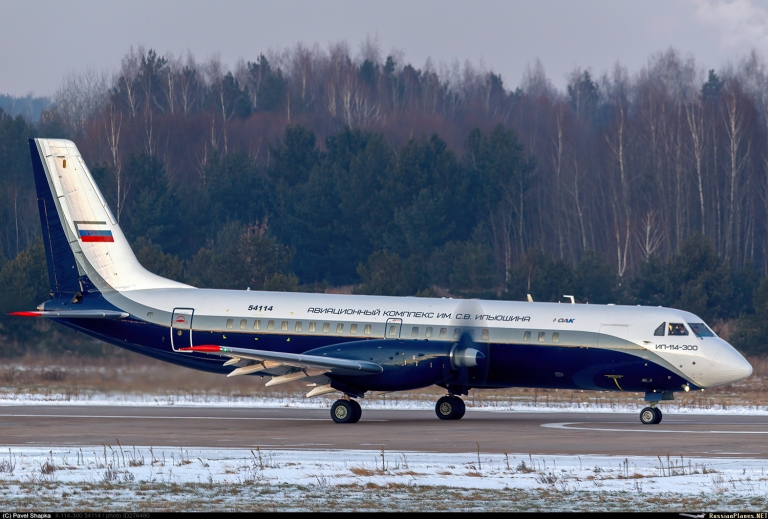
(388, 402)
(127, 465)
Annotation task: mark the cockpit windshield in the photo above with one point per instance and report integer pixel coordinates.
(701, 330)
(677, 329)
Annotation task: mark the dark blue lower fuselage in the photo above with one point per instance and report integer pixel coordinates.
(409, 364)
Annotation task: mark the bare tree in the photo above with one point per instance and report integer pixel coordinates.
(620, 197)
(737, 156)
(694, 112)
(80, 96)
(112, 125)
(649, 238)
(128, 79)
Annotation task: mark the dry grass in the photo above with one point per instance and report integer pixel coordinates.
(362, 471)
(170, 497)
(130, 374)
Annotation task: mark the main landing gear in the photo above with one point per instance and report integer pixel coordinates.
(450, 407)
(346, 411)
(650, 415)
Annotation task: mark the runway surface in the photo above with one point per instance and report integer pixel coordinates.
(534, 433)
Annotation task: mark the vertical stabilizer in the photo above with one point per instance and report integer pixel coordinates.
(63, 274)
(76, 217)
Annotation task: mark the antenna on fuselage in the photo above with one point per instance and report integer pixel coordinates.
(573, 299)
(530, 299)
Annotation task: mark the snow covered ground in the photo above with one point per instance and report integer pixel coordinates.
(386, 401)
(119, 478)
(116, 477)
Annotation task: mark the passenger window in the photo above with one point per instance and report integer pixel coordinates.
(660, 330)
(415, 331)
(339, 328)
(230, 322)
(677, 329)
(527, 336)
(326, 327)
(352, 328)
(367, 329)
(298, 326)
(555, 336)
(393, 331)
(257, 324)
(485, 334)
(243, 324)
(428, 332)
(270, 325)
(284, 326)
(312, 326)
(457, 333)
(542, 336)
(443, 332)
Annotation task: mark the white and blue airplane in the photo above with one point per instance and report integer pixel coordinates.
(352, 344)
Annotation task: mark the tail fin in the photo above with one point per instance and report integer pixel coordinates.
(83, 242)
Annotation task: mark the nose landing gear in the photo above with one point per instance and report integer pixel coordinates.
(346, 411)
(450, 408)
(650, 416)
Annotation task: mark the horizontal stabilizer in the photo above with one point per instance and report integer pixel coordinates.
(74, 314)
(294, 360)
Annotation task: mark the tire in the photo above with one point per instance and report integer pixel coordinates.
(659, 415)
(358, 411)
(459, 408)
(445, 408)
(648, 416)
(343, 412)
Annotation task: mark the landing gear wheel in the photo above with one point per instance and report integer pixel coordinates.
(460, 408)
(342, 411)
(658, 415)
(648, 416)
(444, 408)
(358, 411)
(450, 408)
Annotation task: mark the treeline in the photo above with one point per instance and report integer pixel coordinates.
(311, 169)
(29, 106)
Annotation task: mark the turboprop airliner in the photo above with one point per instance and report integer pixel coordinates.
(348, 344)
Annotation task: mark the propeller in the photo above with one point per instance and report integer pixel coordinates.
(464, 354)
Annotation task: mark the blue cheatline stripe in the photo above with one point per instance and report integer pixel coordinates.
(95, 233)
(62, 271)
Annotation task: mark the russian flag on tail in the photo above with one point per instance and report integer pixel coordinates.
(91, 235)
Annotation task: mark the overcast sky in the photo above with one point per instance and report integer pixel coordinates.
(41, 41)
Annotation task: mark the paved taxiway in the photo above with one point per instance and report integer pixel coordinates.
(537, 433)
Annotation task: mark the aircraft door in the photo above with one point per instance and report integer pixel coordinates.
(181, 328)
(612, 336)
(392, 329)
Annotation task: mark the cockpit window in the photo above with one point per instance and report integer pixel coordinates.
(660, 330)
(677, 329)
(701, 330)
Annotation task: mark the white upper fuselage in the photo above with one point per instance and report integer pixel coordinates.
(704, 361)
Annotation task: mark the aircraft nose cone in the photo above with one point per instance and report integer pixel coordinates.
(729, 366)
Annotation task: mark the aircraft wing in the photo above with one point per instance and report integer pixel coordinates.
(292, 360)
(74, 314)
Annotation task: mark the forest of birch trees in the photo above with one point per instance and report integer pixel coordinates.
(317, 167)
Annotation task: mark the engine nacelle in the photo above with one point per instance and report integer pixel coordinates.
(464, 357)
(407, 364)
